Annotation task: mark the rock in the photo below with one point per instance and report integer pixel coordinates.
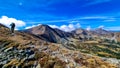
(31, 56)
(38, 66)
(112, 60)
(8, 49)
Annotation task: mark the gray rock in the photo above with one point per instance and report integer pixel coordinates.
(10, 48)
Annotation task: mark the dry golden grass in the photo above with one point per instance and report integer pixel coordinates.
(93, 62)
(101, 46)
(12, 62)
(91, 42)
(53, 47)
(105, 54)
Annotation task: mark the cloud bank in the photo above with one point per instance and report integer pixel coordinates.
(67, 28)
(113, 28)
(28, 27)
(7, 21)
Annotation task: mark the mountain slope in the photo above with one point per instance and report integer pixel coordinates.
(24, 50)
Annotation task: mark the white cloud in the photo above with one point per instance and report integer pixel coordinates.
(53, 26)
(7, 21)
(101, 27)
(28, 27)
(74, 21)
(114, 28)
(67, 28)
(95, 17)
(104, 18)
(88, 28)
(94, 2)
(110, 20)
(55, 21)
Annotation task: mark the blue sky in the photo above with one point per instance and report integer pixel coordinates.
(64, 14)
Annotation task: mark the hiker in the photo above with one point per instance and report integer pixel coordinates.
(12, 27)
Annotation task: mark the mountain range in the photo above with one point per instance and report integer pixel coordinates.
(55, 35)
(46, 47)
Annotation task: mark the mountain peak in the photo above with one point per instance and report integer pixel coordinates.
(44, 25)
(48, 33)
(101, 31)
(80, 31)
(39, 29)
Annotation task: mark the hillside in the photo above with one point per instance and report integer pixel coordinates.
(26, 50)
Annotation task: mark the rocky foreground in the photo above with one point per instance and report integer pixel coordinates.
(24, 50)
(46, 56)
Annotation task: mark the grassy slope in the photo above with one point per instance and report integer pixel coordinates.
(46, 57)
(103, 47)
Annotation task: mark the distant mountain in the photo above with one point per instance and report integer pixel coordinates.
(98, 31)
(48, 33)
(80, 31)
(101, 31)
